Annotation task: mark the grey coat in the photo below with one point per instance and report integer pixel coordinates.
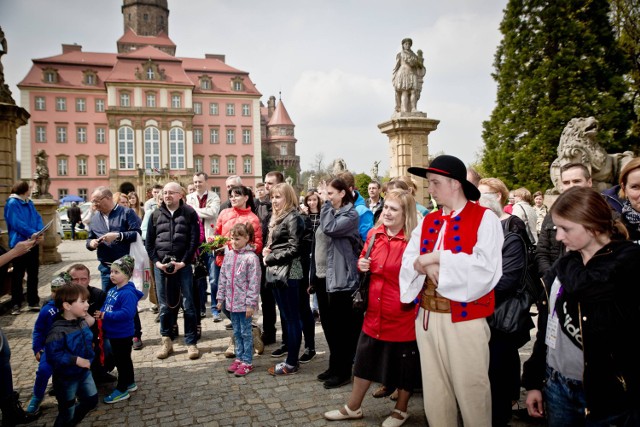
(341, 227)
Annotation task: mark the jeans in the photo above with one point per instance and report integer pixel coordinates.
(214, 275)
(43, 374)
(243, 336)
(172, 287)
(564, 400)
(288, 300)
(306, 317)
(70, 412)
(28, 263)
(121, 348)
(105, 278)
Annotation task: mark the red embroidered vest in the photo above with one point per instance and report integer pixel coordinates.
(461, 236)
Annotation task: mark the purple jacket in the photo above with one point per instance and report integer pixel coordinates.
(239, 283)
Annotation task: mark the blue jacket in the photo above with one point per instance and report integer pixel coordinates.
(22, 219)
(365, 214)
(119, 309)
(43, 324)
(121, 220)
(66, 341)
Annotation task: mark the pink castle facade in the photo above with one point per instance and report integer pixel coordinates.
(143, 116)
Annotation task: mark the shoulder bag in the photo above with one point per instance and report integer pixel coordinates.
(361, 295)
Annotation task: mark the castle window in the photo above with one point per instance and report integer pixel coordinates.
(198, 163)
(246, 166)
(61, 134)
(90, 78)
(81, 105)
(176, 101)
(82, 166)
(101, 166)
(81, 135)
(197, 108)
(283, 150)
(231, 136)
(125, 147)
(99, 105)
(152, 148)
(246, 110)
(61, 104)
(40, 103)
(150, 74)
(176, 148)
(215, 165)
(50, 76)
(63, 166)
(231, 165)
(231, 109)
(41, 134)
(246, 136)
(237, 84)
(214, 136)
(125, 99)
(151, 99)
(197, 136)
(101, 136)
(205, 83)
(213, 109)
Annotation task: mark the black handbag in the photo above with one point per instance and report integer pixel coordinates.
(361, 295)
(277, 276)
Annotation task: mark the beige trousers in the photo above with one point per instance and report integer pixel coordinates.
(455, 369)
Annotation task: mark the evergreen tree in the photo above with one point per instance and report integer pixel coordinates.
(558, 60)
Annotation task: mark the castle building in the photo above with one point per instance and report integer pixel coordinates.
(142, 116)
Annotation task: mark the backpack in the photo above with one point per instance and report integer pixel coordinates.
(533, 284)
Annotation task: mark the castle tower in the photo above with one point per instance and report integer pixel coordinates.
(281, 140)
(146, 17)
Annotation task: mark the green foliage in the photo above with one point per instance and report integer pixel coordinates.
(558, 60)
(362, 184)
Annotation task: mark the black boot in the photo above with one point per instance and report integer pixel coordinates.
(12, 412)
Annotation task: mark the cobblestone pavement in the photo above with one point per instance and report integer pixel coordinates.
(179, 392)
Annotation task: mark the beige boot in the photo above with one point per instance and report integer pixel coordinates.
(166, 350)
(231, 350)
(193, 352)
(258, 345)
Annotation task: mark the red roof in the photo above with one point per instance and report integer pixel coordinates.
(130, 37)
(280, 116)
(125, 69)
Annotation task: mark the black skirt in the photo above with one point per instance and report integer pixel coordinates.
(393, 364)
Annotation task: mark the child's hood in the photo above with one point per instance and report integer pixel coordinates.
(130, 287)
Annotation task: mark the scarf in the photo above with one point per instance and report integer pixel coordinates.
(631, 215)
(275, 221)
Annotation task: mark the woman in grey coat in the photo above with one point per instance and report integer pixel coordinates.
(339, 223)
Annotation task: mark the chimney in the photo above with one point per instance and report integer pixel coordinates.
(220, 58)
(66, 48)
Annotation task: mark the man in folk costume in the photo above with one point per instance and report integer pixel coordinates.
(450, 267)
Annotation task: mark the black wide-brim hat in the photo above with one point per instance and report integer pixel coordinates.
(451, 167)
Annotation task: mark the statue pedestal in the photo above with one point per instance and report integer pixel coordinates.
(49, 248)
(409, 145)
(11, 118)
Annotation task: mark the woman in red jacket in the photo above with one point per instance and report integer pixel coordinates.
(387, 352)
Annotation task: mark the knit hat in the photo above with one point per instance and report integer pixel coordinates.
(451, 167)
(125, 265)
(60, 280)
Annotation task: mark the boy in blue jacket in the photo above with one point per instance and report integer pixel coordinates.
(69, 351)
(117, 315)
(47, 316)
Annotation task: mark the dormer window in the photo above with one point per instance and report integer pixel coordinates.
(149, 71)
(205, 82)
(150, 74)
(237, 84)
(50, 75)
(90, 78)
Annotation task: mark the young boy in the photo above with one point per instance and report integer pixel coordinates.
(43, 324)
(69, 352)
(117, 316)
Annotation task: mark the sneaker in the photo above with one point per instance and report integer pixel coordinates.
(34, 406)
(15, 310)
(166, 349)
(243, 370)
(283, 369)
(116, 396)
(132, 387)
(307, 356)
(137, 343)
(234, 366)
(279, 352)
(228, 327)
(193, 352)
(217, 318)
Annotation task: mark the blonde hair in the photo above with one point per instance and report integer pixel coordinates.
(524, 194)
(289, 194)
(624, 174)
(498, 186)
(409, 213)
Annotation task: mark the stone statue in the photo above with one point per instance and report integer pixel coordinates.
(41, 177)
(578, 144)
(5, 93)
(407, 79)
(310, 182)
(289, 180)
(339, 165)
(374, 170)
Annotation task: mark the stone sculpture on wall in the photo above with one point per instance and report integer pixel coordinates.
(5, 93)
(41, 177)
(578, 144)
(339, 165)
(374, 170)
(408, 76)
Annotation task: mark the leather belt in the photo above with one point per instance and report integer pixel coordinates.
(431, 299)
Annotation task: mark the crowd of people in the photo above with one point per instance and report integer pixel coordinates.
(436, 273)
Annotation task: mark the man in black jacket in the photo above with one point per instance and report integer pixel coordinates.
(549, 249)
(74, 215)
(172, 239)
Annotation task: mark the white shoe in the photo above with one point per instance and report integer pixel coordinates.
(395, 422)
(166, 350)
(336, 415)
(193, 352)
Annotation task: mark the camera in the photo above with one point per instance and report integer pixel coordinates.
(169, 268)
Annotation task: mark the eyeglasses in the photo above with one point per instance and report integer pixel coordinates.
(97, 201)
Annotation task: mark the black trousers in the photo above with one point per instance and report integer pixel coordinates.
(121, 348)
(504, 376)
(342, 326)
(306, 317)
(268, 305)
(28, 263)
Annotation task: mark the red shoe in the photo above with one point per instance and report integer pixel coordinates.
(234, 366)
(243, 370)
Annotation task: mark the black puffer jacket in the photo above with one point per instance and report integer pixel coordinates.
(548, 249)
(605, 295)
(177, 236)
(285, 240)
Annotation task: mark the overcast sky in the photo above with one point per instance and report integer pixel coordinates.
(331, 60)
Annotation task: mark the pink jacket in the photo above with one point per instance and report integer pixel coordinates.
(239, 283)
